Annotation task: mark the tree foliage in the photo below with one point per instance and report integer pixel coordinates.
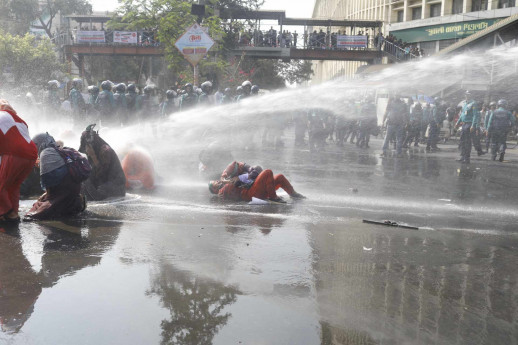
(296, 71)
(19, 14)
(170, 19)
(30, 60)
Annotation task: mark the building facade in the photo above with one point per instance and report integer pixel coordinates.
(432, 25)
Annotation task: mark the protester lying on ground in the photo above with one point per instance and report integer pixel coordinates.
(138, 169)
(107, 178)
(263, 187)
(17, 157)
(62, 197)
(235, 169)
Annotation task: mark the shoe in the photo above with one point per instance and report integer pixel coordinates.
(501, 159)
(278, 200)
(296, 195)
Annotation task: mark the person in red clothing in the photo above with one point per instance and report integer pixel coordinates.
(263, 187)
(139, 170)
(18, 155)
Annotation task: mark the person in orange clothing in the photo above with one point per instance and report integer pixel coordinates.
(263, 187)
(138, 168)
(18, 154)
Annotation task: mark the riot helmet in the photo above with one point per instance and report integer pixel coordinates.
(106, 85)
(502, 103)
(254, 89)
(121, 88)
(132, 88)
(170, 94)
(206, 87)
(77, 83)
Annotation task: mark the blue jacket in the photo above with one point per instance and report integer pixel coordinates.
(501, 119)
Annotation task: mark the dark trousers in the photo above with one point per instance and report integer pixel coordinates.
(433, 135)
(465, 141)
(475, 138)
(498, 142)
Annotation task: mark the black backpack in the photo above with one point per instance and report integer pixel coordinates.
(78, 165)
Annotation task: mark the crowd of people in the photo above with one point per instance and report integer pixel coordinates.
(408, 124)
(402, 50)
(70, 178)
(287, 39)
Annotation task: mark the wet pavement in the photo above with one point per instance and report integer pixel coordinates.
(178, 267)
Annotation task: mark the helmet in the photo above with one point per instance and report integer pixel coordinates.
(188, 85)
(92, 89)
(170, 94)
(206, 87)
(246, 83)
(53, 84)
(132, 88)
(120, 88)
(77, 83)
(467, 93)
(227, 91)
(255, 89)
(106, 85)
(418, 105)
(492, 104)
(148, 89)
(239, 90)
(502, 103)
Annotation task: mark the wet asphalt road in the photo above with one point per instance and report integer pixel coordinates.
(178, 267)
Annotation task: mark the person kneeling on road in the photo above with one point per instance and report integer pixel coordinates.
(243, 188)
(107, 178)
(62, 195)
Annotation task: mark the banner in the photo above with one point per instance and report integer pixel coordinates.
(90, 37)
(128, 37)
(443, 32)
(345, 41)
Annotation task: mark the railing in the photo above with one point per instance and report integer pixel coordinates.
(267, 38)
(399, 53)
(144, 38)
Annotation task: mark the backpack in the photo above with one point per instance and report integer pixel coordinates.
(78, 166)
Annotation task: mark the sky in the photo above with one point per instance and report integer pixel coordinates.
(293, 8)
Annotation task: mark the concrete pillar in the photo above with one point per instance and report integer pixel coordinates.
(425, 10)
(466, 6)
(446, 7)
(406, 13)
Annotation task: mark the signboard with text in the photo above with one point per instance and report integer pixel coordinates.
(128, 37)
(194, 44)
(443, 32)
(90, 37)
(346, 41)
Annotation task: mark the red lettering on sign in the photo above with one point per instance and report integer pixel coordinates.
(194, 38)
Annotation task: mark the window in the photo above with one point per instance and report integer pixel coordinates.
(456, 6)
(478, 5)
(400, 16)
(416, 13)
(506, 3)
(435, 10)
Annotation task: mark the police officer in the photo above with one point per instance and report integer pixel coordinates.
(414, 125)
(93, 92)
(76, 99)
(254, 90)
(492, 108)
(501, 121)
(52, 100)
(105, 102)
(132, 103)
(189, 98)
(468, 121)
(368, 121)
(246, 90)
(433, 133)
(396, 118)
(168, 107)
(239, 93)
(120, 103)
(206, 91)
(227, 96)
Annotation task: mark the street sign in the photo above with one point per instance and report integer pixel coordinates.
(194, 44)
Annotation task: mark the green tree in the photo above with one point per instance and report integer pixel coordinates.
(19, 14)
(295, 71)
(29, 59)
(170, 18)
